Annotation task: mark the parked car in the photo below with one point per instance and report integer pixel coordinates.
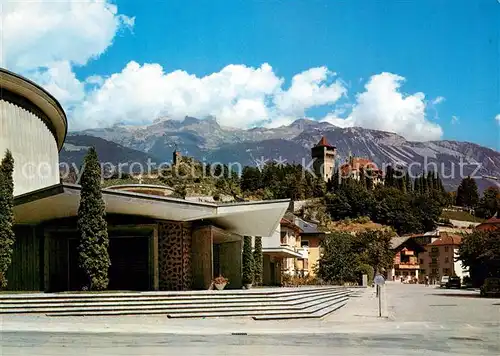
(490, 288)
(454, 282)
(444, 280)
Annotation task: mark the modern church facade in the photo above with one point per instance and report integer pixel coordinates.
(156, 242)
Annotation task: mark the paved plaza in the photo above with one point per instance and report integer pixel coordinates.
(416, 320)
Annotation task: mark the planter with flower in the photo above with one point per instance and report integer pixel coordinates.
(220, 282)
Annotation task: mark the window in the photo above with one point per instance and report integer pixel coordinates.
(421, 261)
(422, 271)
(446, 271)
(435, 271)
(434, 249)
(446, 260)
(446, 249)
(304, 243)
(434, 261)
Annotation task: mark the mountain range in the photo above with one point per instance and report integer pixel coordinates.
(208, 141)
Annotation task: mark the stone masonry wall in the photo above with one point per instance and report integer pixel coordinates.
(174, 255)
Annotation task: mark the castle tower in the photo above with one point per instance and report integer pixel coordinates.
(176, 157)
(323, 155)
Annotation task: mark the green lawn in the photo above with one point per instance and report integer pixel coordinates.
(460, 215)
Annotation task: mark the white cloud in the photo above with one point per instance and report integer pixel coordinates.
(309, 88)
(455, 120)
(40, 33)
(60, 81)
(498, 118)
(43, 40)
(239, 96)
(438, 100)
(382, 106)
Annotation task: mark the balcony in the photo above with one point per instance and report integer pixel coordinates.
(434, 254)
(412, 266)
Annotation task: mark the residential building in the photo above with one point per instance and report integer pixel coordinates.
(282, 254)
(439, 258)
(323, 155)
(310, 241)
(156, 242)
(489, 225)
(406, 265)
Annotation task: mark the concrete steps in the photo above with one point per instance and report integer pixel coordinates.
(155, 304)
(300, 311)
(264, 304)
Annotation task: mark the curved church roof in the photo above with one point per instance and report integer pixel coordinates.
(35, 98)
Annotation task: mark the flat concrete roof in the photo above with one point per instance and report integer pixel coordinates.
(259, 218)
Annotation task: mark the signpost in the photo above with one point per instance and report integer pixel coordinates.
(379, 282)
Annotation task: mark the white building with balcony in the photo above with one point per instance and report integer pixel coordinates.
(283, 254)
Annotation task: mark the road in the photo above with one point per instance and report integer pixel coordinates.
(420, 320)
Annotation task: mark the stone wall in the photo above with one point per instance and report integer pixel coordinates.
(174, 255)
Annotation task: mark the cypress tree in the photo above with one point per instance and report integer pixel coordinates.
(408, 183)
(7, 237)
(93, 250)
(417, 185)
(258, 260)
(248, 263)
(430, 181)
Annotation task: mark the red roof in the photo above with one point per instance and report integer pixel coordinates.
(447, 239)
(493, 220)
(286, 222)
(323, 143)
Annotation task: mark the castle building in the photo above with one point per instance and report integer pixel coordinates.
(355, 167)
(324, 159)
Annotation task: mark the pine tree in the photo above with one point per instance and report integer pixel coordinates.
(7, 237)
(258, 260)
(93, 250)
(248, 262)
(467, 193)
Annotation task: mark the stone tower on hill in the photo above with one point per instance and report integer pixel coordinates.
(323, 155)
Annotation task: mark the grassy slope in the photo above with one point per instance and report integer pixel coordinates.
(461, 216)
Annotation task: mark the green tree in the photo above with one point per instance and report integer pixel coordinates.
(480, 253)
(408, 183)
(251, 179)
(340, 261)
(248, 262)
(489, 204)
(93, 250)
(394, 208)
(7, 237)
(375, 249)
(467, 193)
(258, 260)
(427, 210)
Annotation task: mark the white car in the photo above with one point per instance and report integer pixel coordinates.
(444, 280)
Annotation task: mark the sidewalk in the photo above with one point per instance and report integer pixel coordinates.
(362, 308)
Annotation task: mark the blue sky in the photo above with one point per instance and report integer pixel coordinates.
(447, 50)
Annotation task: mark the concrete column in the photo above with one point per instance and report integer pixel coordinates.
(202, 258)
(231, 263)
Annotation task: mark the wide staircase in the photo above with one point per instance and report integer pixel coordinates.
(260, 304)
